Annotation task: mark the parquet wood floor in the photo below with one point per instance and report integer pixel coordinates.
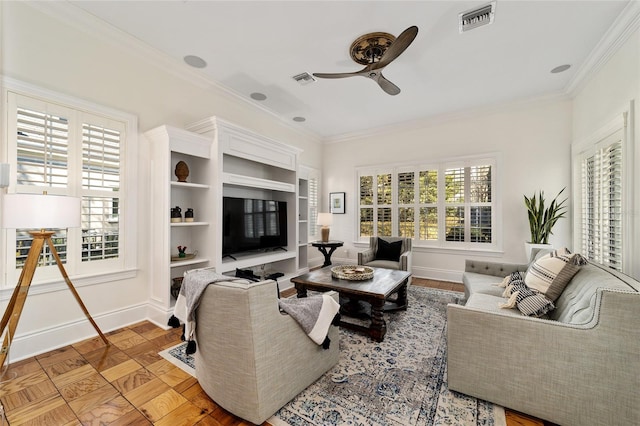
(127, 383)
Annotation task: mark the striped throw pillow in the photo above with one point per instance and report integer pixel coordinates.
(551, 273)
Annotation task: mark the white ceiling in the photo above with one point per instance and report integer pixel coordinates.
(257, 46)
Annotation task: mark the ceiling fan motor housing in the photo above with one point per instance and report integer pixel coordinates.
(370, 47)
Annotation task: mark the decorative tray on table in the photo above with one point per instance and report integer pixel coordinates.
(352, 272)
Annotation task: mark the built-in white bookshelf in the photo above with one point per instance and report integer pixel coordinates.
(223, 160)
(167, 146)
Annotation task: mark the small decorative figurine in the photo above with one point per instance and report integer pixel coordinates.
(181, 251)
(182, 171)
(188, 215)
(176, 214)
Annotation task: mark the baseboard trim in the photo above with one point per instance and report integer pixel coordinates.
(44, 340)
(437, 274)
(158, 316)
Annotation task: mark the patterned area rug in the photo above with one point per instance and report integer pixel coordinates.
(400, 381)
(178, 357)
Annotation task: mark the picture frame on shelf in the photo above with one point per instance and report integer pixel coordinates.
(336, 202)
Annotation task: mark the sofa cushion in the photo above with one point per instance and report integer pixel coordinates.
(480, 283)
(551, 273)
(489, 303)
(389, 250)
(387, 264)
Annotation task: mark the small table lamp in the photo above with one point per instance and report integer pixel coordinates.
(41, 212)
(325, 220)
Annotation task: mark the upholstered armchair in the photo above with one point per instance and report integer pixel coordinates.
(251, 359)
(383, 254)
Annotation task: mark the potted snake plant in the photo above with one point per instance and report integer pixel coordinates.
(542, 218)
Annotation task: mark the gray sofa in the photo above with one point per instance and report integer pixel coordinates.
(251, 359)
(579, 366)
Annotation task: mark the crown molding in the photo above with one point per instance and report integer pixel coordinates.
(83, 21)
(623, 27)
(440, 119)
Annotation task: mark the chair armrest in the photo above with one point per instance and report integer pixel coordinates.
(493, 268)
(405, 261)
(366, 256)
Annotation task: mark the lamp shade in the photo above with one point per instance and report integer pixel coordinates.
(40, 211)
(325, 219)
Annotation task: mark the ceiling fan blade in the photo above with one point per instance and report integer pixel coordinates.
(387, 86)
(398, 46)
(336, 75)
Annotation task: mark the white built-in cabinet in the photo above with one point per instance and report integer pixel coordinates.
(303, 217)
(223, 160)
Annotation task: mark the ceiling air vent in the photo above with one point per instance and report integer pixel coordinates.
(477, 17)
(304, 78)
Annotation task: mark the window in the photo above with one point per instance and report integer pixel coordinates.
(313, 205)
(66, 147)
(449, 204)
(599, 197)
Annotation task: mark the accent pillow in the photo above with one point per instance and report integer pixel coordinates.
(389, 250)
(551, 273)
(534, 304)
(528, 301)
(509, 279)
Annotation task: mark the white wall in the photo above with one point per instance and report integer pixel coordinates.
(603, 98)
(534, 141)
(49, 52)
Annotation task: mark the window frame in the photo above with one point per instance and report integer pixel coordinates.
(583, 149)
(14, 93)
(492, 159)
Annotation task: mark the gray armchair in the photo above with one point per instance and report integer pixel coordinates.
(368, 257)
(251, 359)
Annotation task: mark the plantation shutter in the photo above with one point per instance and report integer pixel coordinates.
(313, 206)
(100, 191)
(406, 204)
(366, 205)
(42, 148)
(42, 160)
(601, 195)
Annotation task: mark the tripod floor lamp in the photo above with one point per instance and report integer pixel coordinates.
(41, 212)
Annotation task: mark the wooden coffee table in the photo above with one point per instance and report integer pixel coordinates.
(376, 291)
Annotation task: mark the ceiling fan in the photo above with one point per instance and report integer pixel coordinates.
(376, 51)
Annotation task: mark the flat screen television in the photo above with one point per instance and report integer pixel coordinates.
(250, 224)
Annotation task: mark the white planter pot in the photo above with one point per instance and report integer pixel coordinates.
(528, 247)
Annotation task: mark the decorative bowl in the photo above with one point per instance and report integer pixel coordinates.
(352, 272)
(187, 256)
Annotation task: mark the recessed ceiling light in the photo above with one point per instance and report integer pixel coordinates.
(560, 68)
(258, 96)
(195, 61)
(299, 119)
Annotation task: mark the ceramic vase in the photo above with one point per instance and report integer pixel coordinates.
(182, 171)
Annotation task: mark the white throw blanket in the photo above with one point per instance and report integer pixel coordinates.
(193, 286)
(314, 315)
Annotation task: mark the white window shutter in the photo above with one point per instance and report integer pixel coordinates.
(601, 213)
